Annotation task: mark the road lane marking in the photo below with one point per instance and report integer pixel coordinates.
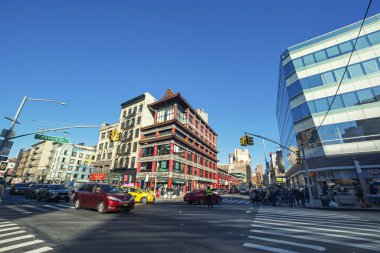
(316, 233)
(354, 245)
(19, 210)
(65, 206)
(7, 229)
(267, 248)
(8, 225)
(12, 233)
(288, 243)
(320, 224)
(20, 245)
(44, 249)
(300, 215)
(54, 207)
(16, 238)
(36, 208)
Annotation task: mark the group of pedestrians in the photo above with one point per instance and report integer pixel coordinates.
(280, 196)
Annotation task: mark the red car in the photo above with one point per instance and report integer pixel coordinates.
(103, 197)
(199, 197)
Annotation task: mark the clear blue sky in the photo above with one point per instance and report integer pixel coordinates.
(222, 56)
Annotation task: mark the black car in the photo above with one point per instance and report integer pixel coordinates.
(19, 188)
(33, 191)
(51, 192)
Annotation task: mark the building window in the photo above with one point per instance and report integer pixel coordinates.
(104, 156)
(148, 151)
(124, 113)
(178, 167)
(163, 166)
(163, 149)
(65, 152)
(138, 120)
(137, 132)
(126, 162)
(140, 108)
(111, 144)
(133, 122)
(129, 148)
(133, 160)
(179, 151)
(165, 114)
(97, 158)
(87, 156)
(103, 135)
(135, 109)
(100, 146)
(146, 167)
(72, 161)
(130, 111)
(134, 147)
(109, 156)
(81, 154)
(74, 154)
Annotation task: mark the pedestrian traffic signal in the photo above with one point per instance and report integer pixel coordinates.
(250, 140)
(243, 141)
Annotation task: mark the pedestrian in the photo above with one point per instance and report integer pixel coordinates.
(2, 189)
(297, 196)
(307, 195)
(302, 196)
(291, 197)
(209, 197)
(252, 196)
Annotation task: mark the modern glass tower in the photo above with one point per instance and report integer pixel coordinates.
(309, 76)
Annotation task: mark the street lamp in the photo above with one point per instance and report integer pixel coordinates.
(14, 121)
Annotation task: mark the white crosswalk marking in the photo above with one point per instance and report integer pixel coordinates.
(301, 226)
(19, 210)
(13, 238)
(66, 206)
(36, 208)
(236, 201)
(54, 207)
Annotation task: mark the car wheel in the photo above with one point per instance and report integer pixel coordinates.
(201, 201)
(77, 204)
(144, 200)
(101, 207)
(189, 202)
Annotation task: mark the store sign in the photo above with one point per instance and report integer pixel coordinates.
(97, 177)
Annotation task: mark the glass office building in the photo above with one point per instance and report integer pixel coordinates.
(309, 76)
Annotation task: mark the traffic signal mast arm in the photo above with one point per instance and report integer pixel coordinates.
(262, 137)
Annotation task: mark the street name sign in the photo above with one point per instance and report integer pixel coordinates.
(51, 138)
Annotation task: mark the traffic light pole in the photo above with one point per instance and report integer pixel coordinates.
(308, 183)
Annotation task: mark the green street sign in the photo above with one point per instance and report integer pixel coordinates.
(51, 138)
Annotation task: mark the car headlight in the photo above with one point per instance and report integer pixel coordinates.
(113, 198)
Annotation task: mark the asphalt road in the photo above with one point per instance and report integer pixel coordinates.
(235, 226)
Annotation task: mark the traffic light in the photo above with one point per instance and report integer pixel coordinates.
(299, 159)
(111, 135)
(243, 141)
(117, 136)
(250, 140)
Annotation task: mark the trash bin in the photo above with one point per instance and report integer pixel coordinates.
(325, 200)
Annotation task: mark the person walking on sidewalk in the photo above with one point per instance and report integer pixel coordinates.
(2, 189)
(209, 197)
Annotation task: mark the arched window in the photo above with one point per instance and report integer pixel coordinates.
(121, 162)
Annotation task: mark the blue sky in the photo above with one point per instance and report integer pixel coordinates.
(222, 56)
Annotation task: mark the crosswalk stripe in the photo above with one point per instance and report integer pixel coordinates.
(267, 248)
(241, 202)
(288, 243)
(16, 238)
(7, 229)
(354, 245)
(340, 222)
(65, 206)
(315, 228)
(312, 213)
(320, 224)
(20, 245)
(314, 216)
(7, 225)
(12, 233)
(44, 249)
(309, 230)
(2, 222)
(54, 207)
(36, 208)
(19, 210)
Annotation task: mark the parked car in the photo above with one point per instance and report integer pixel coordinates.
(199, 197)
(33, 191)
(140, 195)
(51, 192)
(19, 188)
(244, 192)
(103, 197)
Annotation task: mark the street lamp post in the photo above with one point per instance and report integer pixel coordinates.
(14, 121)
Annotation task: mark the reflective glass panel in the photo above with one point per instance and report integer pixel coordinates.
(374, 38)
(298, 63)
(350, 99)
(339, 73)
(315, 81)
(370, 66)
(365, 96)
(328, 77)
(329, 134)
(321, 104)
(309, 59)
(362, 43)
(338, 102)
(355, 70)
(346, 47)
(312, 107)
(320, 56)
(376, 90)
(332, 51)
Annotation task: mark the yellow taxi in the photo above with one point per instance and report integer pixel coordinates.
(140, 195)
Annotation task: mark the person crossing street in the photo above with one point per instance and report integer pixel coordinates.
(209, 197)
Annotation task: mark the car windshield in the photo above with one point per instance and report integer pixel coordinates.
(38, 186)
(57, 187)
(113, 189)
